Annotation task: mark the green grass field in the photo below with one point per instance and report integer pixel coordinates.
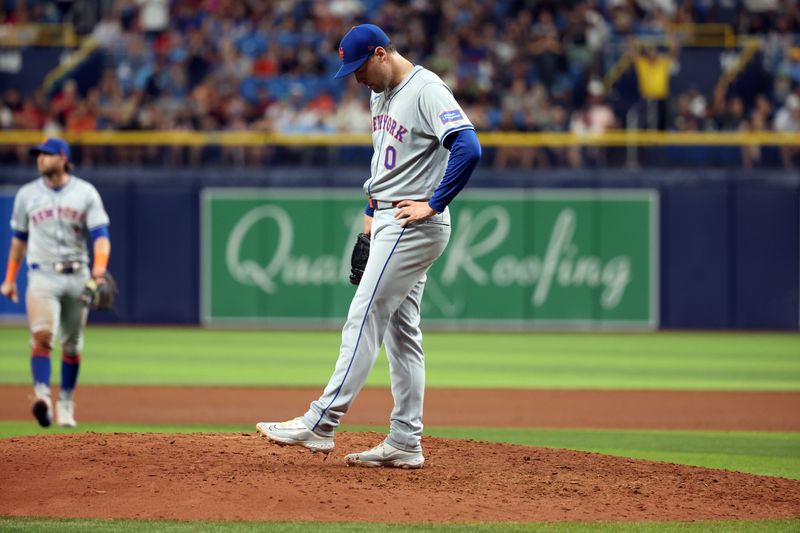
(682, 361)
(131, 526)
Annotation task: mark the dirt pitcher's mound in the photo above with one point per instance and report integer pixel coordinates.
(244, 477)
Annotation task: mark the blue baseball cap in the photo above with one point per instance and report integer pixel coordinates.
(358, 45)
(52, 146)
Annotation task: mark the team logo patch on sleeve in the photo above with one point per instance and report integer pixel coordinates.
(450, 116)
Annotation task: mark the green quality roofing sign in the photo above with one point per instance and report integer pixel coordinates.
(567, 258)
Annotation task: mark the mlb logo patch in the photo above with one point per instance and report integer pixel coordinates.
(450, 116)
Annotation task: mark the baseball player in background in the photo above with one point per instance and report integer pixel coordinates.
(53, 218)
(425, 150)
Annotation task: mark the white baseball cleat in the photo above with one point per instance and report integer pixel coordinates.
(384, 454)
(295, 433)
(43, 410)
(65, 413)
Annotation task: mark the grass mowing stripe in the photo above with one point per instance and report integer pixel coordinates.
(771, 454)
(147, 526)
(681, 361)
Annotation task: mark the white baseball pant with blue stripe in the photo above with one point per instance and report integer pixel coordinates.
(385, 310)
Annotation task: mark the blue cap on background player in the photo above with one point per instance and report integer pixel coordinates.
(358, 45)
(52, 146)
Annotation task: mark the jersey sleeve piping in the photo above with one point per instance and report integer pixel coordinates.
(457, 128)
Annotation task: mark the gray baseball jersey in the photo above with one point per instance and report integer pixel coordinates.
(58, 222)
(409, 124)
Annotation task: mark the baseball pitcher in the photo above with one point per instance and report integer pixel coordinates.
(425, 150)
(53, 219)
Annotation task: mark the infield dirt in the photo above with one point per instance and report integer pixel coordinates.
(613, 409)
(240, 476)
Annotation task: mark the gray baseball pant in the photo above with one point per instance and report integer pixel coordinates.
(385, 310)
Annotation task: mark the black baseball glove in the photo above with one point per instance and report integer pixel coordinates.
(358, 261)
(99, 294)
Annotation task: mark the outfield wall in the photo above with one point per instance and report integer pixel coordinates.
(725, 256)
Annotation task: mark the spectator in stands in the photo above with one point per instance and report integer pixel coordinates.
(597, 36)
(266, 64)
(33, 114)
(787, 120)
(778, 41)
(256, 109)
(201, 57)
(547, 50)
(11, 105)
(6, 117)
(751, 153)
(703, 113)
(763, 106)
(653, 71)
(107, 31)
(352, 115)
(153, 17)
(66, 100)
(519, 108)
(594, 119)
(324, 103)
(83, 119)
(622, 15)
(657, 16)
(791, 66)
(52, 124)
(733, 116)
(556, 120)
(684, 118)
(12, 99)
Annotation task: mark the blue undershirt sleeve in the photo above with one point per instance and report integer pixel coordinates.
(99, 231)
(465, 153)
(21, 235)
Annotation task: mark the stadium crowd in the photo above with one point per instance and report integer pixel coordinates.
(515, 65)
